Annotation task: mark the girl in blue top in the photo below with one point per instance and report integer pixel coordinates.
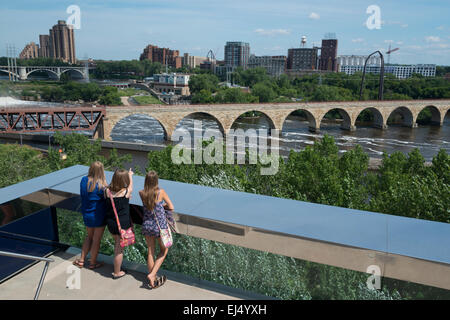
(93, 209)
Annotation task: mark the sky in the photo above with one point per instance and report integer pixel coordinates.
(120, 29)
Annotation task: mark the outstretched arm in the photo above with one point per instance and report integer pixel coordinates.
(165, 197)
(130, 187)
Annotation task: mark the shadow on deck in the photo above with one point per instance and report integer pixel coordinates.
(98, 284)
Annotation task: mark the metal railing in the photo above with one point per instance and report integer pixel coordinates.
(28, 257)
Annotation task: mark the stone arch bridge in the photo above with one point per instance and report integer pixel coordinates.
(226, 114)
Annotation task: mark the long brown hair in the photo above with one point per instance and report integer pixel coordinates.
(150, 190)
(119, 181)
(96, 175)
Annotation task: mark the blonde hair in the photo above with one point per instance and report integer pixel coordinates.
(149, 194)
(96, 176)
(119, 181)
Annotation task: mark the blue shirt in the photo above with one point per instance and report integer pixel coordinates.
(92, 205)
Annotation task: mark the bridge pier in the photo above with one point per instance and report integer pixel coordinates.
(348, 127)
(23, 73)
(382, 126)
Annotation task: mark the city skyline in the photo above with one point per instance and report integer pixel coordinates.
(419, 28)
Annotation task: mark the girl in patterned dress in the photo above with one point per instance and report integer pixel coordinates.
(155, 201)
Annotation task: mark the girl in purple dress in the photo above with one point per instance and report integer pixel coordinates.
(155, 201)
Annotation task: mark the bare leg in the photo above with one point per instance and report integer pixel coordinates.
(151, 253)
(86, 244)
(159, 260)
(118, 257)
(95, 247)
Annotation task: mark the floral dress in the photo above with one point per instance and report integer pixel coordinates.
(149, 225)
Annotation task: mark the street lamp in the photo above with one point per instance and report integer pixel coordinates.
(381, 86)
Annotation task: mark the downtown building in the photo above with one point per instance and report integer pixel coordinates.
(328, 54)
(300, 59)
(237, 54)
(274, 65)
(31, 51)
(58, 44)
(399, 71)
(192, 61)
(165, 56)
(357, 60)
(171, 83)
(62, 42)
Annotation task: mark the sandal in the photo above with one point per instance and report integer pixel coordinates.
(117, 277)
(96, 265)
(159, 282)
(78, 263)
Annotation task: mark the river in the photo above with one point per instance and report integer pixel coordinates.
(295, 135)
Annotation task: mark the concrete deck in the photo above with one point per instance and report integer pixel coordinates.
(98, 284)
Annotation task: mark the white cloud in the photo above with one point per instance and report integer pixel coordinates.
(272, 32)
(405, 25)
(388, 41)
(440, 28)
(314, 16)
(414, 47)
(432, 39)
(358, 40)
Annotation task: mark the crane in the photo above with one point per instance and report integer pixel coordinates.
(389, 53)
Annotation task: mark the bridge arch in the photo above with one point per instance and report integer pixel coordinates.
(312, 121)
(269, 119)
(48, 71)
(193, 115)
(9, 72)
(144, 125)
(435, 118)
(372, 115)
(407, 117)
(347, 123)
(72, 71)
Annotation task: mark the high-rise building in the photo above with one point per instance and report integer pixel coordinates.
(237, 54)
(328, 55)
(274, 65)
(30, 51)
(62, 42)
(165, 56)
(44, 46)
(302, 59)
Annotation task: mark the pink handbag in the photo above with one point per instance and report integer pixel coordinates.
(127, 237)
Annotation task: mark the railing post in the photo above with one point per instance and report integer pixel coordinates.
(41, 282)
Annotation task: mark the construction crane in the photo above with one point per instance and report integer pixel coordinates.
(389, 53)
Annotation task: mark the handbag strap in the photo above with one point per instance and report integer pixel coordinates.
(114, 209)
(156, 218)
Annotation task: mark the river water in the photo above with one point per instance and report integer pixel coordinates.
(295, 135)
(428, 139)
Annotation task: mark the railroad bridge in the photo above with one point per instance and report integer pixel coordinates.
(276, 113)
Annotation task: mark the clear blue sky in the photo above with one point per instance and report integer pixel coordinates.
(119, 29)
